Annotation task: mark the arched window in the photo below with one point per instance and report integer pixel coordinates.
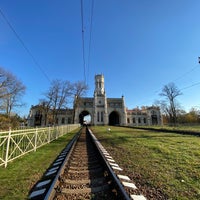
(102, 116)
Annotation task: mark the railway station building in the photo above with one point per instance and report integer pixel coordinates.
(102, 111)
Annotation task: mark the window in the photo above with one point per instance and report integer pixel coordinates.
(128, 120)
(145, 121)
(98, 116)
(102, 116)
(63, 120)
(133, 120)
(139, 120)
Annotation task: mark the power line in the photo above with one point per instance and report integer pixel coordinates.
(194, 84)
(186, 87)
(83, 42)
(186, 73)
(23, 44)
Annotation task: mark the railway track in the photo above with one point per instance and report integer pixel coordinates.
(84, 170)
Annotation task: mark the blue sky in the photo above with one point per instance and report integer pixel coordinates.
(139, 46)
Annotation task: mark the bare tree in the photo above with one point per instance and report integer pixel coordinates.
(13, 99)
(5, 81)
(57, 97)
(79, 89)
(170, 105)
(11, 91)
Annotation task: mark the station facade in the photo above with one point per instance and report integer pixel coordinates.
(102, 111)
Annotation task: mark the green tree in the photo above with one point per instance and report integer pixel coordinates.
(193, 116)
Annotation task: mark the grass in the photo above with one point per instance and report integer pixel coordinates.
(163, 165)
(195, 128)
(20, 175)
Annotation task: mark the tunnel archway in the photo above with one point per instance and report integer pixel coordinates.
(82, 116)
(114, 118)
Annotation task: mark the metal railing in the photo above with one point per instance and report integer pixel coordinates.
(16, 143)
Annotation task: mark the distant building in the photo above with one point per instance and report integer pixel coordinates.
(144, 116)
(102, 111)
(38, 117)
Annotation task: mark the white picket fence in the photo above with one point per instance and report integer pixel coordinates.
(16, 143)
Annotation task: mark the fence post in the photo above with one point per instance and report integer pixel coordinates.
(57, 132)
(68, 128)
(36, 134)
(49, 137)
(7, 148)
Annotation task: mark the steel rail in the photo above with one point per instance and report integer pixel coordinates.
(125, 195)
(49, 189)
(117, 182)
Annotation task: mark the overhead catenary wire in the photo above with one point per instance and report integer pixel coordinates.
(24, 45)
(86, 31)
(83, 42)
(90, 36)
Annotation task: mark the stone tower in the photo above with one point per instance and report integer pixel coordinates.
(99, 85)
(100, 101)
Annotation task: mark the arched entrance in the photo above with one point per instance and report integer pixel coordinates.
(114, 118)
(82, 116)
